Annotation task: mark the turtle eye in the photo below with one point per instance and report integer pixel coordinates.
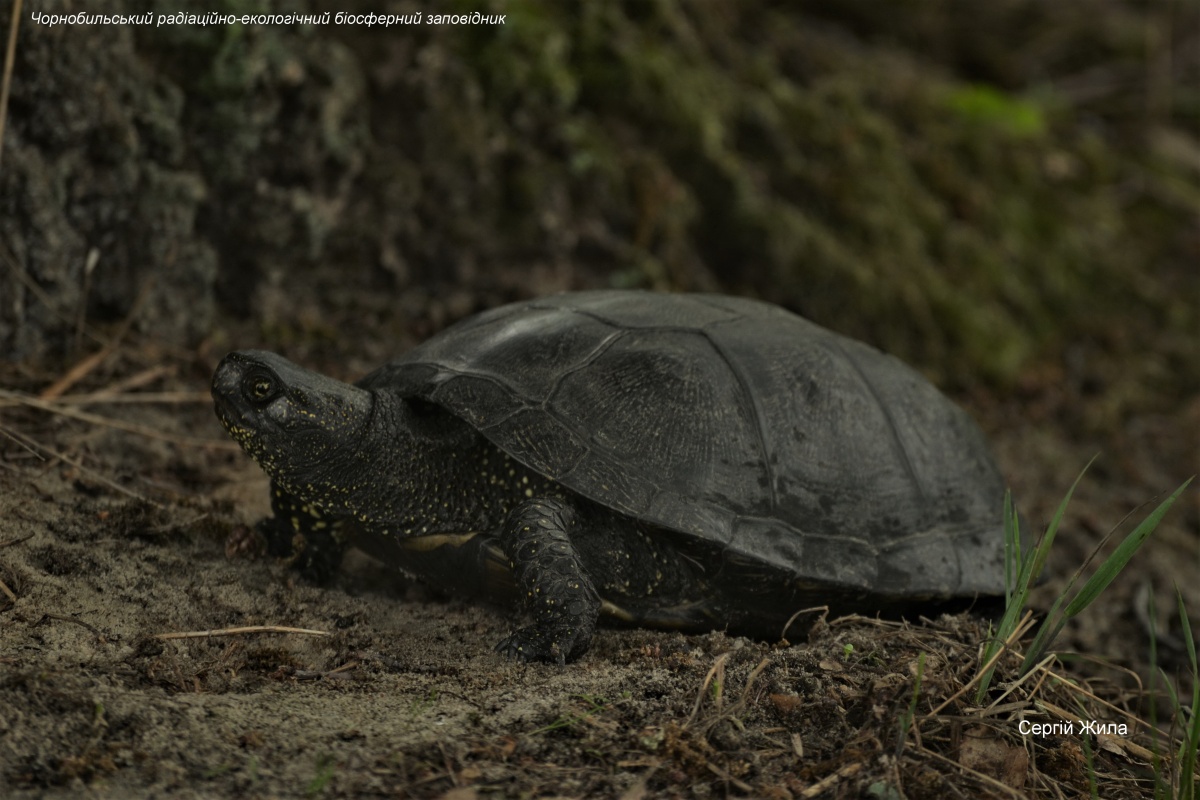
(260, 387)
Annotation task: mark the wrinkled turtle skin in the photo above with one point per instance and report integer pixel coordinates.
(678, 461)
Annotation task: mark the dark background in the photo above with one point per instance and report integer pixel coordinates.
(984, 189)
(1005, 194)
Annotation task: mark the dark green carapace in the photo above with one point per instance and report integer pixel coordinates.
(679, 461)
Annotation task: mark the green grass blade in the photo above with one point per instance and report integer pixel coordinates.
(1170, 686)
(1089, 763)
(1191, 739)
(1021, 571)
(906, 719)
(1016, 590)
(1028, 569)
(1014, 573)
(1047, 632)
(1116, 562)
(1043, 550)
(1189, 643)
(1161, 786)
(1054, 621)
(1013, 557)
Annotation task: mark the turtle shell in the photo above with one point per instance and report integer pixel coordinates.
(735, 422)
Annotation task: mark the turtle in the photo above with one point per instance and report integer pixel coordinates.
(666, 460)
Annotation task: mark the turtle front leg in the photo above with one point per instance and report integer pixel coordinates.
(537, 540)
(301, 533)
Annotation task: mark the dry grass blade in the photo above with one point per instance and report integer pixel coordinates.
(1090, 695)
(824, 611)
(1020, 681)
(717, 673)
(1021, 629)
(754, 676)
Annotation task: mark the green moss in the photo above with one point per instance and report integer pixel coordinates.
(979, 104)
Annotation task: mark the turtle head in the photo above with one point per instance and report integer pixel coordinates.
(298, 425)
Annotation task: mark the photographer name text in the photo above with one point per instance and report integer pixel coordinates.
(1078, 727)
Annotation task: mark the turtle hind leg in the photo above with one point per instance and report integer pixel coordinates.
(301, 533)
(537, 540)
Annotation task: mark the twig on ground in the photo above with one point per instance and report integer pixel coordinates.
(239, 632)
(35, 446)
(130, 427)
(830, 780)
(129, 398)
(10, 56)
(63, 618)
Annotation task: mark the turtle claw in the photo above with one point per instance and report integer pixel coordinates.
(530, 644)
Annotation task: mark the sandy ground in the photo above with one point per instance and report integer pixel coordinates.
(121, 538)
